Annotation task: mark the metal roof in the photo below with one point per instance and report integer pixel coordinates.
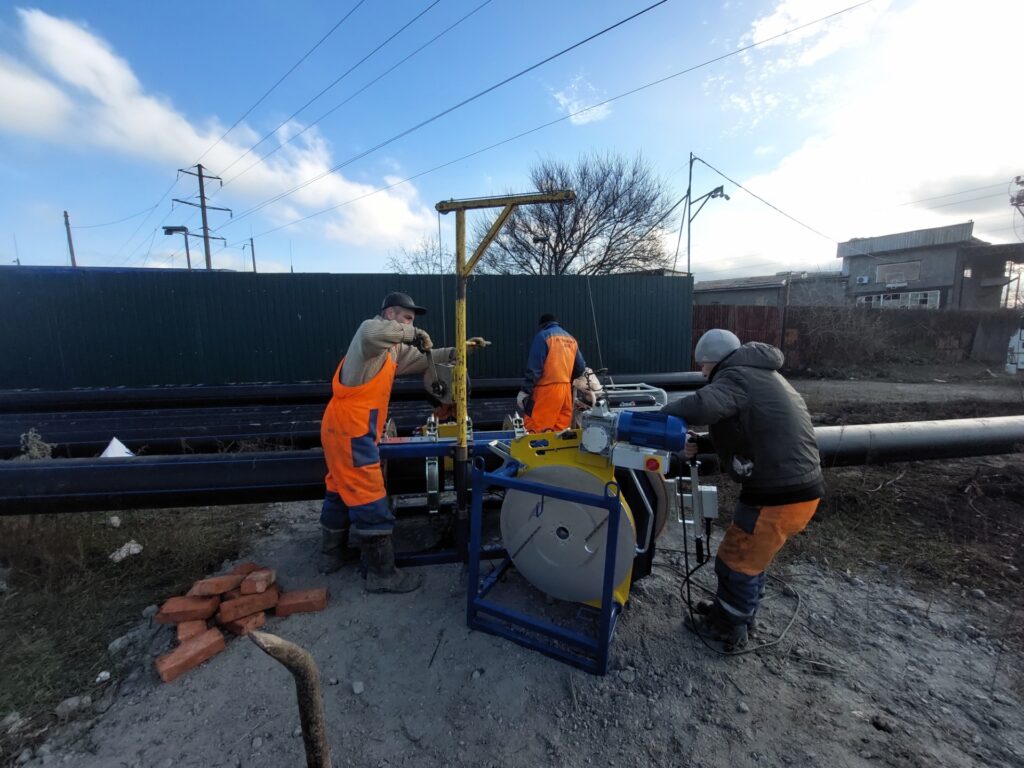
(956, 234)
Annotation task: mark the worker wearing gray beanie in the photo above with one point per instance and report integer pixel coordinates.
(760, 429)
(715, 345)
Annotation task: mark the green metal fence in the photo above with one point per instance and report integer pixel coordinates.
(65, 328)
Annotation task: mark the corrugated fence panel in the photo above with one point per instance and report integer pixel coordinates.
(65, 328)
(750, 323)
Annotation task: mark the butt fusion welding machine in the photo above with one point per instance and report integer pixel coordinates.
(578, 513)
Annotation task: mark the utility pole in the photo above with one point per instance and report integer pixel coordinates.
(71, 245)
(202, 206)
(689, 219)
(252, 252)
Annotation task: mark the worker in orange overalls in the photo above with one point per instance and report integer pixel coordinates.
(545, 399)
(355, 507)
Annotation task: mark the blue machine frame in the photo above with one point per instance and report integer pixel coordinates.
(441, 447)
(588, 652)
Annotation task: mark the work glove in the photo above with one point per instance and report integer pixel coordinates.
(690, 449)
(477, 342)
(585, 397)
(521, 399)
(422, 341)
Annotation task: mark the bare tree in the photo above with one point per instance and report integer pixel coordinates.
(427, 257)
(615, 225)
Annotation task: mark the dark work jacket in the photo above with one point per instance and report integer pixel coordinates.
(759, 427)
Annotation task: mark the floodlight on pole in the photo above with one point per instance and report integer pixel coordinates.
(179, 230)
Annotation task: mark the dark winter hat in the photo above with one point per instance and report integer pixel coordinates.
(715, 345)
(403, 300)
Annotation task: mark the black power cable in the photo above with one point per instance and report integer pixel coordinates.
(550, 123)
(442, 113)
(345, 101)
(333, 83)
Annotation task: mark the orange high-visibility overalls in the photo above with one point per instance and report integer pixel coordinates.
(555, 354)
(350, 432)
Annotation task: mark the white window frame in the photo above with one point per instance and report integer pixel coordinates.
(902, 300)
(900, 272)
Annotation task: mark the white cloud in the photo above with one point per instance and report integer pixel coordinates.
(929, 110)
(30, 103)
(810, 45)
(770, 77)
(576, 96)
(76, 74)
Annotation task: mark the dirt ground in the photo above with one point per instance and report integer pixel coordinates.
(899, 611)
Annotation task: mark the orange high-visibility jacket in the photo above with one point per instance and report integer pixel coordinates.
(553, 363)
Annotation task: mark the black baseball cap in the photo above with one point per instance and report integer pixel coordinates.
(403, 300)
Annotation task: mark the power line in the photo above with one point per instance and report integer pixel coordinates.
(447, 111)
(953, 194)
(338, 106)
(770, 205)
(337, 80)
(145, 219)
(280, 80)
(177, 177)
(961, 202)
(561, 119)
(111, 223)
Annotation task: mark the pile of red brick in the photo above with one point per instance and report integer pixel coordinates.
(237, 602)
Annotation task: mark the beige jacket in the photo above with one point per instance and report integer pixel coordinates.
(377, 338)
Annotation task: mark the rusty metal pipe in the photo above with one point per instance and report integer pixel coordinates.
(307, 690)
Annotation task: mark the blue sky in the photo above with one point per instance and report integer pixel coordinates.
(891, 116)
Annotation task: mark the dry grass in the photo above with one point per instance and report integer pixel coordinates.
(67, 600)
(937, 522)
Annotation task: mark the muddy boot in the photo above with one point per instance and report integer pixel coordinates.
(381, 573)
(334, 549)
(714, 626)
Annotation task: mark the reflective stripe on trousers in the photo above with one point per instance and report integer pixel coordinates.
(751, 543)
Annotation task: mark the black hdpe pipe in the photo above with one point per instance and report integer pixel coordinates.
(919, 440)
(204, 395)
(81, 485)
(80, 434)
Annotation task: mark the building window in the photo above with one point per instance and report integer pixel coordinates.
(905, 300)
(967, 273)
(904, 272)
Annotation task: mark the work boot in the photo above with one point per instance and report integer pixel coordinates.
(334, 549)
(381, 573)
(714, 626)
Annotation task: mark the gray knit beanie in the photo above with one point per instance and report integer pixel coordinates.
(714, 345)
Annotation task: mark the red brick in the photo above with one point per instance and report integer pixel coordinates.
(246, 568)
(186, 609)
(257, 581)
(188, 629)
(232, 595)
(246, 605)
(189, 654)
(301, 601)
(246, 624)
(216, 585)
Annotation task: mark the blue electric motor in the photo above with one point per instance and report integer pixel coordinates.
(651, 430)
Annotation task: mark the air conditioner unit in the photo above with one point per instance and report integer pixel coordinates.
(863, 280)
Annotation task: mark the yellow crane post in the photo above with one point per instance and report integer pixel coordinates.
(463, 269)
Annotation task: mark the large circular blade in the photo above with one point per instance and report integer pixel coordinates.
(559, 546)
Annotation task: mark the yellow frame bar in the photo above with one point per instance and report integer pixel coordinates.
(462, 271)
